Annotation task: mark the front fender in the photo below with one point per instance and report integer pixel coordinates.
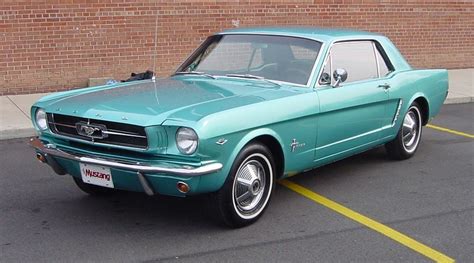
(235, 143)
(251, 136)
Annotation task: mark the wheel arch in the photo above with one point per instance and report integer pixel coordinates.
(424, 107)
(422, 101)
(269, 138)
(276, 149)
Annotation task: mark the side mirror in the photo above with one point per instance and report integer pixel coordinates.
(340, 75)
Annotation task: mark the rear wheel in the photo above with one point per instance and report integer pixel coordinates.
(93, 189)
(408, 138)
(248, 188)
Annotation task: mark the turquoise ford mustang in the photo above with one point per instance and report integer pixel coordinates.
(248, 107)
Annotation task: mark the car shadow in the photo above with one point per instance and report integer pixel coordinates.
(343, 169)
(195, 213)
(141, 211)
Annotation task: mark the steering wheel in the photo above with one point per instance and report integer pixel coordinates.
(296, 75)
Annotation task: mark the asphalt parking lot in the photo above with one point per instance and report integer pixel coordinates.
(45, 218)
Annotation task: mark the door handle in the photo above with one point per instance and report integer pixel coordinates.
(385, 86)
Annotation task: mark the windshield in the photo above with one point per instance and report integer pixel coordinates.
(280, 58)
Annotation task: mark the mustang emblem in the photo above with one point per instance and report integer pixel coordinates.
(89, 130)
(295, 144)
(94, 131)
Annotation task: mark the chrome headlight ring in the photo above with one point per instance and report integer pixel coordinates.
(41, 119)
(186, 140)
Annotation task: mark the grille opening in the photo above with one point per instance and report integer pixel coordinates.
(117, 133)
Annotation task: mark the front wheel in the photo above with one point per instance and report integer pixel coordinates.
(248, 188)
(408, 138)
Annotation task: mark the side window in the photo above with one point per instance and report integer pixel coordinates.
(357, 58)
(383, 68)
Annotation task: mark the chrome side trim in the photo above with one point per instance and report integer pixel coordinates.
(397, 113)
(166, 168)
(355, 137)
(221, 141)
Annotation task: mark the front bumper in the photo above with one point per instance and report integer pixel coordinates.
(50, 152)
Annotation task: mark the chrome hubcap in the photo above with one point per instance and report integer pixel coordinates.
(249, 186)
(411, 129)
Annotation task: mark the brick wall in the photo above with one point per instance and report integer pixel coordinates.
(52, 45)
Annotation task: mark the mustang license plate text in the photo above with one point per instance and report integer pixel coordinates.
(98, 175)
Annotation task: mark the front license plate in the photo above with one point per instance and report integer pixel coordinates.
(97, 175)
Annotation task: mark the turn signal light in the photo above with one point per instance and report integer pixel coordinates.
(182, 187)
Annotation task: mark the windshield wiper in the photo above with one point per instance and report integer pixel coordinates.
(194, 73)
(250, 76)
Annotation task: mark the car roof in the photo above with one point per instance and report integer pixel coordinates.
(316, 33)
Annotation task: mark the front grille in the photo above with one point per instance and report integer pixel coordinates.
(112, 132)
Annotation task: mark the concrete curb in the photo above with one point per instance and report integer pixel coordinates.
(17, 133)
(459, 100)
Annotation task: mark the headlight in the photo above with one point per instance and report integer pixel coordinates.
(40, 119)
(186, 140)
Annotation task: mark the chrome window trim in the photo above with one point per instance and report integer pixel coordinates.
(378, 55)
(374, 48)
(313, 70)
(328, 59)
(373, 40)
(311, 76)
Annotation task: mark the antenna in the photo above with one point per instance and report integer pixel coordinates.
(155, 48)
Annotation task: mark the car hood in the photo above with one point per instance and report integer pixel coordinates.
(149, 103)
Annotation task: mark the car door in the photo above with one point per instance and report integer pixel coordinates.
(351, 114)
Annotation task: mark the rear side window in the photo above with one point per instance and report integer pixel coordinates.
(357, 58)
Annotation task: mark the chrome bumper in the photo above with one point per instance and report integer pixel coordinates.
(141, 168)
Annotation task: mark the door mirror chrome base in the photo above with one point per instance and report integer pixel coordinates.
(340, 75)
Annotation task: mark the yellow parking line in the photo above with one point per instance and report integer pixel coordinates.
(450, 131)
(370, 223)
